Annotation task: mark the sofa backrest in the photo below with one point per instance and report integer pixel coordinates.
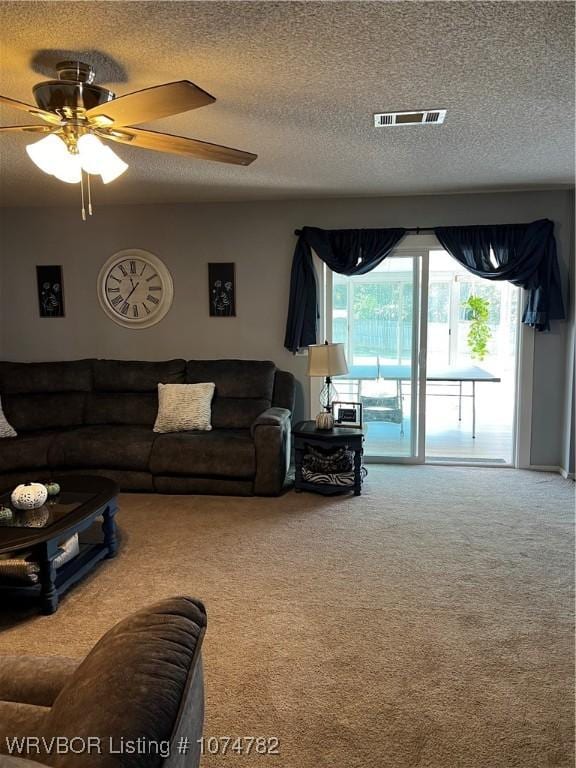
(284, 390)
(244, 388)
(39, 396)
(45, 395)
(126, 391)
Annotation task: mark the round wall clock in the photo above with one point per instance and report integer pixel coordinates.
(135, 288)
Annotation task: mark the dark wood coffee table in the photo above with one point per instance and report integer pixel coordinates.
(82, 499)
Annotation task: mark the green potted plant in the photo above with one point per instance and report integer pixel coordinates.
(479, 333)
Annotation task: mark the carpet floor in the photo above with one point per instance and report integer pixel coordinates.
(427, 623)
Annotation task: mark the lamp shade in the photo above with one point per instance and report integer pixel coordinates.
(326, 360)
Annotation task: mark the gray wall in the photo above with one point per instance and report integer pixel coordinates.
(259, 238)
(568, 444)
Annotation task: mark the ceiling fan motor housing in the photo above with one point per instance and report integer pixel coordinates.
(74, 89)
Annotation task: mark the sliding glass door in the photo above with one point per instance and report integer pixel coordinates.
(432, 353)
(472, 341)
(378, 319)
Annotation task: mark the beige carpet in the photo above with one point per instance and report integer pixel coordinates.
(426, 623)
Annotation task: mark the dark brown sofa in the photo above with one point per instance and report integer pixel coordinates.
(142, 681)
(97, 416)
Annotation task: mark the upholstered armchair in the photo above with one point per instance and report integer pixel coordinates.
(142, 681)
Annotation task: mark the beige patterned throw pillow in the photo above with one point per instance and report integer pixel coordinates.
(184, 406)
(6, 429)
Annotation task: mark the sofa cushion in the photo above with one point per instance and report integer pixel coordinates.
(121, 408)
(45, 395)
(237, 412)
(222, 452)
(136, 375)
(54, 410)
(125, 479)
(29, 378)
(244, 389)
(235, 378)
(126, 447)
(134, 684)
(27, 451)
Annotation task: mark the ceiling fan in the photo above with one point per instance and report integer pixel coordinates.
(79, 113)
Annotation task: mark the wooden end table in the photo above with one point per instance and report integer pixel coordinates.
(81, 501)
(305, 434)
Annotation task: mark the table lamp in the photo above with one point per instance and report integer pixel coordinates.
(326, 360)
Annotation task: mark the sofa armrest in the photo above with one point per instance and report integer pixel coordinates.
(272, 417)
(8, 761)
(271, 433)
(34, 680)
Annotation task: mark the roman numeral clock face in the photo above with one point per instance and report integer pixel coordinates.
(135, 288)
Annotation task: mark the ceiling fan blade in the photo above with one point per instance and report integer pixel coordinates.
(179, 145)
(27, 128)
(50, 117)
(150, 104)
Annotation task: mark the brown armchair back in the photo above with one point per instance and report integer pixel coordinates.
(142, 683)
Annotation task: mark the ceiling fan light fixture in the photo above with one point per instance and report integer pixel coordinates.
(80, 113)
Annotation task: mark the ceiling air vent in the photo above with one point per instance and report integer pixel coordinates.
(422, 117)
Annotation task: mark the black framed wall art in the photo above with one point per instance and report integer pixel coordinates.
(50, 290)
(222, 289)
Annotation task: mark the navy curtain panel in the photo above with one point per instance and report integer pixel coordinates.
(347, 251)
(523, 254)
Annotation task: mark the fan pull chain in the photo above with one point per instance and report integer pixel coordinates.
(89, 196)
(82, 193)
(89, 190)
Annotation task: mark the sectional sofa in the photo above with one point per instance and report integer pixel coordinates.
(96, 416)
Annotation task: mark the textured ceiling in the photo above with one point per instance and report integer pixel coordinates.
(297, 83)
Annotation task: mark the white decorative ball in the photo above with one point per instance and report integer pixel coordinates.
(29, 496)
(324, 420)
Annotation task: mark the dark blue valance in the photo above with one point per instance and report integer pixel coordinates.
(523, 254)
(347, 251)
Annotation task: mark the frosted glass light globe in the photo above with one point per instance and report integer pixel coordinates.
(51, 155)
(113, 166)
(47, 153)
(69, 169)
(91, 151)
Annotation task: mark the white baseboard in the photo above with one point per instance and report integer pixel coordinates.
(559, 470)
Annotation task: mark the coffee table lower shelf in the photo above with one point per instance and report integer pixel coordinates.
(66, 576)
